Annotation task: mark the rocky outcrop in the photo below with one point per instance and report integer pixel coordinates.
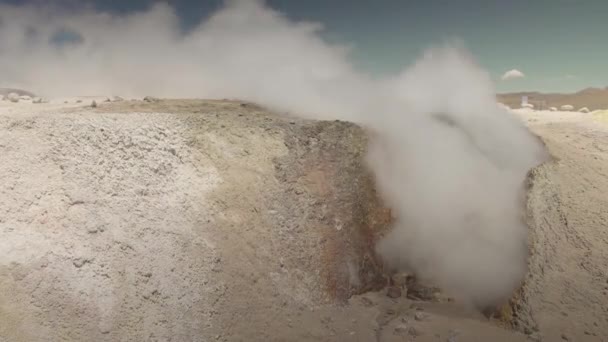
(13, 97)
(566, 108)
(150, 99)
(217, 221)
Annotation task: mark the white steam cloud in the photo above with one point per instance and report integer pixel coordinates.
(446, 157)
(452, 164)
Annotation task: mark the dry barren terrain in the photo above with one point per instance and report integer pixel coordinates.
(188, 220)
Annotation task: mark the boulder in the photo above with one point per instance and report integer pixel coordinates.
(553, 109)
(117, 99)
(25, 98)
(584, 110)
(566, 108)
(150, 99)
(13, 97)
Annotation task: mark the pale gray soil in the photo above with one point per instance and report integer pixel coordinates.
(217, 221)
(209, 220)
(566, 293)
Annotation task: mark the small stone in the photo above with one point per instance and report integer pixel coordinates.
(150, 99)
(400, 279)
(420, 316)
(418, 292)
(413, 332)
(105, 327)
(94, 104)
(401, 329)
(452, 335)
(393, 292)
(565, 338)
(78, 101)
(118, 99)
(366, 301)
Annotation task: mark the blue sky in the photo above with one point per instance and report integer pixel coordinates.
(560, 45)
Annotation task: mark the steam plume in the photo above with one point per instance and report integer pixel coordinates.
(446, 157)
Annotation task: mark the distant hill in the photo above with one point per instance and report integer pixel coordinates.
(21, 92)
(592, 98)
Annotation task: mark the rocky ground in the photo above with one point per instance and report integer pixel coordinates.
(566, 293)
(218, 221)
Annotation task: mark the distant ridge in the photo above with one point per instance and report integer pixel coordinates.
(592, 98)
(21, 92)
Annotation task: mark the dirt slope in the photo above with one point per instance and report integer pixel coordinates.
(566, 293)
(180, 226)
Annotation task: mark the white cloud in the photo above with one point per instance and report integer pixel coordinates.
(512, 74)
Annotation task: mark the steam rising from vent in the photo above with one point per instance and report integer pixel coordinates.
(446, 157)
(452, 164)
